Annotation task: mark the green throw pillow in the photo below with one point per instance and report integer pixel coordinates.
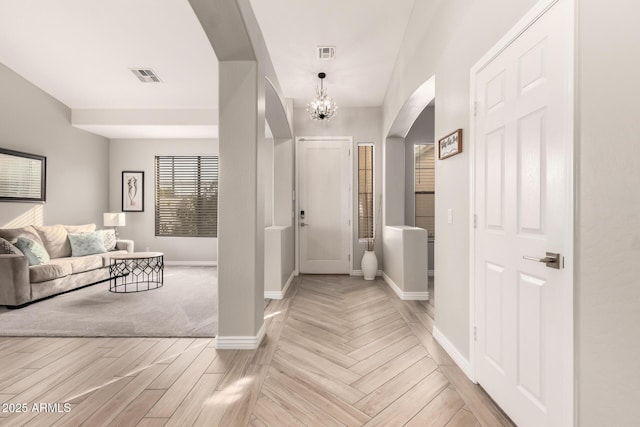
(34, 251)
(86, 243)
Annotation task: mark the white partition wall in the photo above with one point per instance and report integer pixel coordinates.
(278, 260)
(406, 254)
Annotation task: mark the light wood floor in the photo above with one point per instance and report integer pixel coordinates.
(339, 351)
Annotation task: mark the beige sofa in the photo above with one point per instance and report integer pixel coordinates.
(22, 284)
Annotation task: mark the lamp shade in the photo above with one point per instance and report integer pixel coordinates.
(114, 219)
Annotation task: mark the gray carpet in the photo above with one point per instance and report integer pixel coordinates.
(186, 306)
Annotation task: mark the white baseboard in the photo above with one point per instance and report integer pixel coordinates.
(457, 357)
(405, 296)
(359, 273)
(192, 263)
(280, 294)
(241, 343)
(432, 273)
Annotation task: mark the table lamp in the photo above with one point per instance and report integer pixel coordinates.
(115, 220)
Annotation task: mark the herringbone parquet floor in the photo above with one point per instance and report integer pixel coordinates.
(351, 353)
(339, 351)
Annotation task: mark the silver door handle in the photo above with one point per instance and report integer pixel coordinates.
(552, 260)
(303, 224)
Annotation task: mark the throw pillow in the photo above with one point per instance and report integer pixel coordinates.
(6, 248)
(34, 251)
(85, 228)
(54, 240)
(86, 243)
(12, 234)
(109, 237)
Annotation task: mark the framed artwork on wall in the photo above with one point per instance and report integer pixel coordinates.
(132, 191)
(450, 145)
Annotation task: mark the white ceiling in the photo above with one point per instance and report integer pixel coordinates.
(80, 52)
(367, 35)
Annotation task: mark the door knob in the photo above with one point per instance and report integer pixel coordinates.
(552, 260)
(303, 224)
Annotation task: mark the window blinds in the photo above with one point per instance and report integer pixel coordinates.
(365, 191)
(424, 155)
(187, 196)
(21, 176)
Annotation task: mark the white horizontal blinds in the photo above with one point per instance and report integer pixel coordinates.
(365, 191)
(425, 167)
(425, 186)
(20, 177)
(187, 196)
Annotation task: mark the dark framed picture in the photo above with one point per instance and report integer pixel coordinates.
(450, 145)
(132, 191)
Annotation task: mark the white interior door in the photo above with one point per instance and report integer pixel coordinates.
(324, 192)
(523, 205)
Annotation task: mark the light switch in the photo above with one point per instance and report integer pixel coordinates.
(450, 216)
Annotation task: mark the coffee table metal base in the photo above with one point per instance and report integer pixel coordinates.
(137, 272)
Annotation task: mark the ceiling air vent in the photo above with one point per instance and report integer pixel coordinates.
(326, 52)
(145, 75)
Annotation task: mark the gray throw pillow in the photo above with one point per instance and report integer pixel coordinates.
(33, 250)
(6, 248)
(86, 243)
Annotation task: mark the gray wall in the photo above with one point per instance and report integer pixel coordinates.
(283, 186)
(363, 124)
(283, 182)
(77, 161)
(420, 133)
(266, 161)
(607, 230)
(608, 227)
(139, 155)
(445, 39)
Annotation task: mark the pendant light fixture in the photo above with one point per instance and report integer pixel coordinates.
(322, 107)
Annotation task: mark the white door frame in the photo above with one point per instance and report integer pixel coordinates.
(568, 350)
(346, 139)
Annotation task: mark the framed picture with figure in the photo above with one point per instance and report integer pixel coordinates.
(132, 191)
(450, 145)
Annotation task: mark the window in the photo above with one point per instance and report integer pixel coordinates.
(187, 196)
(365, 191)
(22, 177)
(425, 179)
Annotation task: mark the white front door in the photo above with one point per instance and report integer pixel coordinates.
(523, 178)
(324, 182)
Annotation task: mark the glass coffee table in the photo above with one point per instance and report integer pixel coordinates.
(136, 272)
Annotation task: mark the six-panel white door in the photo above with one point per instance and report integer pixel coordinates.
(324, 195)
(523, 205)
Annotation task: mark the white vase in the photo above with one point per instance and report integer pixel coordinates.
(369, 265)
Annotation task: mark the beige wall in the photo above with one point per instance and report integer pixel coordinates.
(445, 39)
(139, 155)
(608, 226)
(363, 124)
(77, 161)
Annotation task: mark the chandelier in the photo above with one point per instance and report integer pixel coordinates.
(322, 107)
